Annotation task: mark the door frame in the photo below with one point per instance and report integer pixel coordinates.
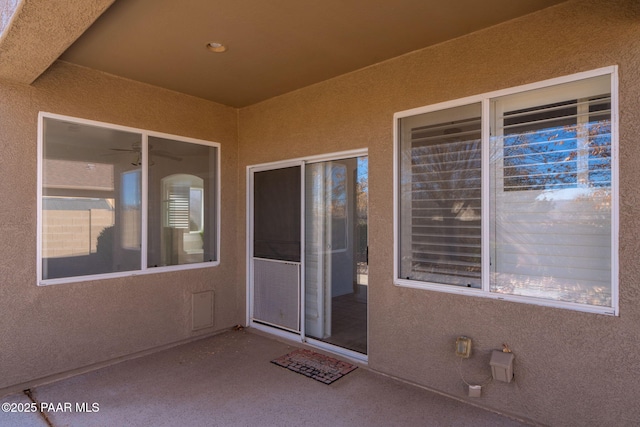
(294, 336)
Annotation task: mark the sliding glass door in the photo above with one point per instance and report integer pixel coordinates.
(308, 261)
(335, 252)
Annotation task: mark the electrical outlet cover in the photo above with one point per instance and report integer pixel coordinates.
(463, 347)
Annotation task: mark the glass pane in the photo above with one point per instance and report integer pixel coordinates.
(336, 252)
(556, 146)
(182, 202)
(440, 193)
(551, 190)
(90, 202)
(539, 147)
(361, 240)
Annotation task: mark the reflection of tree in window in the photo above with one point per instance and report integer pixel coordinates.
(362, 204)
(446, 185)
(556, 146)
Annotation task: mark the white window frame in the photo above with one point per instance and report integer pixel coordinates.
(485, 100)
(144, 269)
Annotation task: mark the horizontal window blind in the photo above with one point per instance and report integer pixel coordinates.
(446, 202)
(178, 210)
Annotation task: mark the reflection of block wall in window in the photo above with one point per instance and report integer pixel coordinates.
(92, 219)
(73, 232)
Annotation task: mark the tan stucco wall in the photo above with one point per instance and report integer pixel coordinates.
(58, 328)
(34, 33)
(571, 368)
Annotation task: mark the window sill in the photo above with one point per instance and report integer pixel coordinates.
(120, 274)
(460, 290)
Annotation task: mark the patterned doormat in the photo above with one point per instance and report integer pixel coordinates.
(315, 365)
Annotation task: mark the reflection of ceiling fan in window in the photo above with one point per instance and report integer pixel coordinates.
(136, 148)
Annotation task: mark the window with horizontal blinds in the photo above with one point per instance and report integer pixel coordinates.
(551, 228)
(513, 194)
(441, 182)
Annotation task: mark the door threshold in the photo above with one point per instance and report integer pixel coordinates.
(272, 330)
(340, 351)
(296, 337)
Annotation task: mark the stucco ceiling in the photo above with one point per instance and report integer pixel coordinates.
(274, 46)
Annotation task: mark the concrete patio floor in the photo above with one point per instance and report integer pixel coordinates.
(228, 380)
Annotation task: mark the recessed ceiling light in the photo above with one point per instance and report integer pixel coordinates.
(216, 47)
